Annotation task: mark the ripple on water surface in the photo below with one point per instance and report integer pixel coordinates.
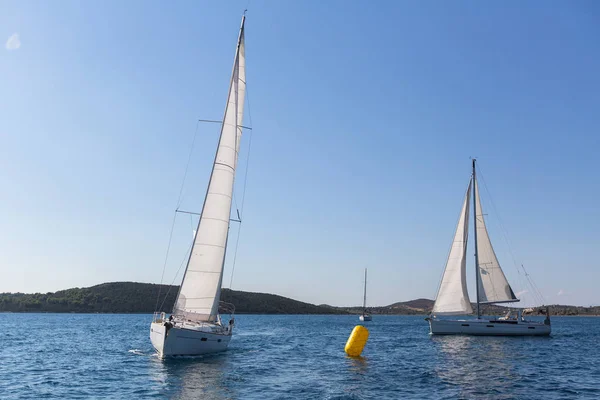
(273, 357)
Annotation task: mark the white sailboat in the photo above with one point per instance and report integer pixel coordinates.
(365, 316)
(491, 284)
(195, 326)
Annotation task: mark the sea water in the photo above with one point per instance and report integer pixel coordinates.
(83, 356)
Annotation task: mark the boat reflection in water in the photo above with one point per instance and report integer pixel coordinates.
(482, 367)
(200, 377)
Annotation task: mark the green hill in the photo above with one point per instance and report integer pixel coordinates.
(133, 297)
(424, 307)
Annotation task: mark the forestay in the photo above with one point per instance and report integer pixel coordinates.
(493, 286)
(453, 297)
(198, 298)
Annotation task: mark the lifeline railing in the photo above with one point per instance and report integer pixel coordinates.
(158, 317)
(226, 308)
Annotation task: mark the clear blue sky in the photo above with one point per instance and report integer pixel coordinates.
(365, 116)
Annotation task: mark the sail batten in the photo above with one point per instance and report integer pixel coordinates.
(493, 285)
(453, 297)
(200, 292)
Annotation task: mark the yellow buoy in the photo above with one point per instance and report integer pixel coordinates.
(357, 341)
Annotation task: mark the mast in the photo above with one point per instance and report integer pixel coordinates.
(365, 294)
(475, 188)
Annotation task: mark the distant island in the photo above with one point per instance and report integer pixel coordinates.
(134, 297)
(424, 307)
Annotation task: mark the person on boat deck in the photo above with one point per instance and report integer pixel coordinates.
(507, 316)
(547, 319)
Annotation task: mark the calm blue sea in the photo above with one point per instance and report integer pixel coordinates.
(85, 356)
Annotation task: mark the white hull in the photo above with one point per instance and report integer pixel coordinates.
(487, 327)
(365, 317)
(187, 341)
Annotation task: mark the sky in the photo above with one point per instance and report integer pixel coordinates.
(364, 115)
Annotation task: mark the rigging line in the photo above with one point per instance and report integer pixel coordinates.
(175, 214)
(241, 213)
(233, 196)
(505, 233)
(162, 276)
(503, 229)
(187, 165)
(248, 157)
(533, 285)
(527, 283)
(177, 273)
(237, 242)
(539, 300)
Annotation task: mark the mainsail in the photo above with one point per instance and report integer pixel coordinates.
(452, 297)
(493, 286)
(200, 292)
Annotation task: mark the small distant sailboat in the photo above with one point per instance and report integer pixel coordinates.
(492, 286)
(365, 316)
(195, 326)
